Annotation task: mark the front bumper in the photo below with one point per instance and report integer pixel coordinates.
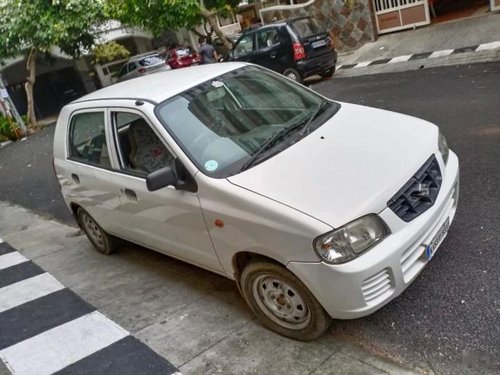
(365, 284)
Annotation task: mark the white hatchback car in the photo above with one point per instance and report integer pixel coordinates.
(317, 209)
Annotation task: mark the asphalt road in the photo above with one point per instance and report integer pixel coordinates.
(449, 318)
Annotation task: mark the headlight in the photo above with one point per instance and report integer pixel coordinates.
(443, 147)
(347, 242)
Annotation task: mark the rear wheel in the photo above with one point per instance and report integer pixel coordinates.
(293, 75)
(103, 242)
(327, 73)
(282, 302)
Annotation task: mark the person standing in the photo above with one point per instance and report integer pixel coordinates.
(207, 52)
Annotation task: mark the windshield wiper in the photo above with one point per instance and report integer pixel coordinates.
(269, 143)
(314, 113)
(275, 138)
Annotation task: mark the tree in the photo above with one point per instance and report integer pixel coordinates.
(36, 26)
(160, 15)
(108, 52)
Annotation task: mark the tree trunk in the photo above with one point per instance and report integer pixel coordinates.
(28, 86)
(210, 17)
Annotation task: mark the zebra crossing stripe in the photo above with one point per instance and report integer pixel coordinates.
(423, 56)
(445, 52)
(27, 290)
(46, 328)
(62, 346)
(11, 259)
(487, 46)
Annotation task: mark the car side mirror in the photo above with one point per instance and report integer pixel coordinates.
(161, 178)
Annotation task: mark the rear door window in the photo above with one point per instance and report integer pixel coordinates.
(87, 139)
(306, 27)
(151, 60)
(267, 38)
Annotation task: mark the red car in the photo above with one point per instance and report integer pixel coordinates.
(181, 57)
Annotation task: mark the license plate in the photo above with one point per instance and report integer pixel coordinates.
(319, 43)
(431, 248)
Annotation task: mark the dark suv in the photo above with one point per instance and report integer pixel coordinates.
(298, 48)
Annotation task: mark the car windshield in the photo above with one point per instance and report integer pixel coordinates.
(226, 123)
(306, 27)
(181, 52)
(151, 60)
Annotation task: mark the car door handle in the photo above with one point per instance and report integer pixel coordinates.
(75, 178)
(274, 54)
(130, 194)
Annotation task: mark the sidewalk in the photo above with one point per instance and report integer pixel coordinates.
(456, 42)
(196, 320)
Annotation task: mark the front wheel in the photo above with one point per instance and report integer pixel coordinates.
(293, 75)
(102, 241)
(282, 302)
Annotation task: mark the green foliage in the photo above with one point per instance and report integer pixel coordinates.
(160, 15)
(41, 24)
(8, 130)
(108, 52)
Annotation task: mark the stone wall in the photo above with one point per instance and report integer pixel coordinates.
(350, 22)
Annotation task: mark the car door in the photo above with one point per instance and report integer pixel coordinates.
(268, 46)
(167, 220)
(88, 178)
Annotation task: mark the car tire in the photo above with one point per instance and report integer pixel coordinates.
(102, 241)
(293, 74)
(327, 73)
(282, 302)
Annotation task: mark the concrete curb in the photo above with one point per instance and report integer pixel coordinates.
(424, 55)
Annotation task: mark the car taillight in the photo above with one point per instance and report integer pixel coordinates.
(298, 51)
(141, 70)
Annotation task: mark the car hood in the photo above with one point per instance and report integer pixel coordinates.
(348, 167)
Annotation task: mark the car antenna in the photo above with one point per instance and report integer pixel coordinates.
(139, 102)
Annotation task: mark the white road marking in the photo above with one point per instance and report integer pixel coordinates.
(487, 46)
(11, 259)
(62, 346)
(362, 64)
(27, 290)
(400, 59)
(444, 52)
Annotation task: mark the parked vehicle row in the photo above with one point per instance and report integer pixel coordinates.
(297, 48)
(316, 209)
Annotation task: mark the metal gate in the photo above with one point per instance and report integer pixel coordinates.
(495, 5)
(393, 15)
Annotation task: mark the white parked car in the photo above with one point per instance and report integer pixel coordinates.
(317, 209)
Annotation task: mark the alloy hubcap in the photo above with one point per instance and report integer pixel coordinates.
(281, 302)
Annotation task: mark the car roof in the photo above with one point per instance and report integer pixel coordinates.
(160, 86)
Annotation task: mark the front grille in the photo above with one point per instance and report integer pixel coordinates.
(377, 286)
(419, 193)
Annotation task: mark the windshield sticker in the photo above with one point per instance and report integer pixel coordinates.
(217, 84)
(211, 165)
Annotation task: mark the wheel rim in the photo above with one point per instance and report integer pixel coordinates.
(281, 302)
(292, 76)
(94, 231)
